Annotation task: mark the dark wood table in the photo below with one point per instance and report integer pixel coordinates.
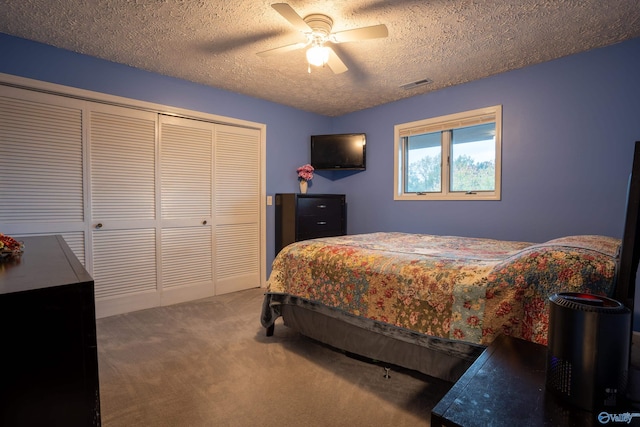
(505, 386)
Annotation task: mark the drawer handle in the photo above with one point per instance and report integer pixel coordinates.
(322, 206)
(321, 222)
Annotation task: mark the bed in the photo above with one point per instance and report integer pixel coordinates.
(433, 303)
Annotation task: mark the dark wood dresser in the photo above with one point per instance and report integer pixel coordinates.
(309, 216)
(49, 354)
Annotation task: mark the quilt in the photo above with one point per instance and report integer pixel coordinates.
(458, 288)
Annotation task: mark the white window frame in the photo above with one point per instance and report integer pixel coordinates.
(443, 123)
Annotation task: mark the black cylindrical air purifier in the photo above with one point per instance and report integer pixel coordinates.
(588, 350)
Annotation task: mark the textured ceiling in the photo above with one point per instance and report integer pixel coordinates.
(215, 42)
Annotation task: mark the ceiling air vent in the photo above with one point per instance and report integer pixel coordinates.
(416, 84)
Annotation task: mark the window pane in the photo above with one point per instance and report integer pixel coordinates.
(423, 163)
(473, 158)
(453, 157)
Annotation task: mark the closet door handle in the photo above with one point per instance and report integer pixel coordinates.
(98, 226)
(204, 222)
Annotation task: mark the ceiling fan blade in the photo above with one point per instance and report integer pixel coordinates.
(228, 44)
(335, 63)
(282, 49)
(292, 16)
(364, 33)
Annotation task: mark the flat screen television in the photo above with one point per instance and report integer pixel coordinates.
(339, 151)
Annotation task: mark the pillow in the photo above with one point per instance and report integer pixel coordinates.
(603, 244)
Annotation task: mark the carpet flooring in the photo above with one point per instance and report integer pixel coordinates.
(209, 363)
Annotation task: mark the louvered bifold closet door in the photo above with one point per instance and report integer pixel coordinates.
(186, 150)
(123, 208)
(237, 208)
(41, 166)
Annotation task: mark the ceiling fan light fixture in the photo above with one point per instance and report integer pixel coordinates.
(317, 29)
(318, 55)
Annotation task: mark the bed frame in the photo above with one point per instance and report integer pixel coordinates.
(439, 357)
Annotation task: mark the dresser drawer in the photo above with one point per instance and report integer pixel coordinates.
(320, 206)
(319, 234)
(319, 224)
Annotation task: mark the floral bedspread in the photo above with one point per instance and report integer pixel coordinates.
(451, 287)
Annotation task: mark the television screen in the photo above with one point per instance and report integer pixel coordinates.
(339, 151)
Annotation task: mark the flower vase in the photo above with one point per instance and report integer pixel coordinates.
(303, 186)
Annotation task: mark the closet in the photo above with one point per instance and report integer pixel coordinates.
(160, 208)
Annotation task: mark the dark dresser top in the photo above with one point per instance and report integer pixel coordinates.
(47, 261)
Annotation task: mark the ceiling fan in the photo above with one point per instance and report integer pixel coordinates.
(317, 30)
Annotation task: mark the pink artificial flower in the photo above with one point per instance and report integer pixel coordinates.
(305, 172)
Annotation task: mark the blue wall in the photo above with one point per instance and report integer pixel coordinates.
(569, 127)
(568, 131)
